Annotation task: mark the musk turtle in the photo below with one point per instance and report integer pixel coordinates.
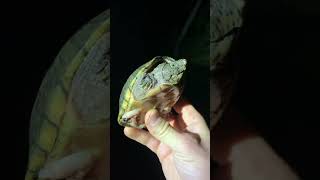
(156, 84)
(70, 117)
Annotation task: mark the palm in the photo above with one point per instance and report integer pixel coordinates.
(166, 157)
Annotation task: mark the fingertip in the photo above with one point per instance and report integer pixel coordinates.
(151, 115)
(153, 120)
(151, 112)
(129, 132)
(181, 105)
(125, 131)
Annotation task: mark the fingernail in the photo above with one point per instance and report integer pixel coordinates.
(154, 118)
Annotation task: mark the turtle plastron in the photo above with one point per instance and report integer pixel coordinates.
(166, 98)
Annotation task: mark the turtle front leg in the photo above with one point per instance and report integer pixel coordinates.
(132, 118)
(71, 167)
(167, 99)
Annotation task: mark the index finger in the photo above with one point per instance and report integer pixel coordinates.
(193, 120)
(187, 111)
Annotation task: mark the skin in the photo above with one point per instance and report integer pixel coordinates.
(242, 154)
(182, 143)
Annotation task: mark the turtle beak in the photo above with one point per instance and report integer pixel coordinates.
(183, 62)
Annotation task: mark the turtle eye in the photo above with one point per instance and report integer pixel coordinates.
(125, 120)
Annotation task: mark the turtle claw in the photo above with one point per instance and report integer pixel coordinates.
(166, 110)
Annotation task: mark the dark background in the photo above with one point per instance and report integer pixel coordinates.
(140, 31)
(32, 34)
(278, 56)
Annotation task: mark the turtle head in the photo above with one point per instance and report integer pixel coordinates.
(163, 70)
(172, 70)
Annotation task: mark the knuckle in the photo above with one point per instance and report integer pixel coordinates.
(163, 130)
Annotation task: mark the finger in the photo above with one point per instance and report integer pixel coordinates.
(189, 114)
(193, 120)
(161, 130)
(175, 122)
(142, 137)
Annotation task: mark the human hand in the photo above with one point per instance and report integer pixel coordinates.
(242, 154)
(182, 143)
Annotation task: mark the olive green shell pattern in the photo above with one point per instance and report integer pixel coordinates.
(126, 90)
(49, 111)
(225, 22)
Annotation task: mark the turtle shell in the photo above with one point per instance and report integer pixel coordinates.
(137, 98)
(225, 22)
(80, 69)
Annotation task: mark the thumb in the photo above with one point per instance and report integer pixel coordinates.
(161, 130)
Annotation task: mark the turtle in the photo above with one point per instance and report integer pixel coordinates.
(68, 136)
(156, 84)
(226, 21)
